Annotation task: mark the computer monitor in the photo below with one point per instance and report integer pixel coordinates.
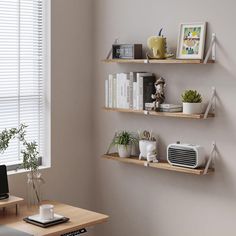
(4, 190)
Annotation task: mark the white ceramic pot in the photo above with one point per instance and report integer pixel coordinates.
(124, 150)
(192, 108)
(143, 144)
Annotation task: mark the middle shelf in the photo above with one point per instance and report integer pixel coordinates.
(161, 114)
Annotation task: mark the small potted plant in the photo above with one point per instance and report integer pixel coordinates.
(146, 141)
(124, 141)
(192, 102)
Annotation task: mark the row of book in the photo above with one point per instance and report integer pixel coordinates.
(129, 90)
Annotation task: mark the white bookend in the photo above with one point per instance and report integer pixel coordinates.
(106, 93)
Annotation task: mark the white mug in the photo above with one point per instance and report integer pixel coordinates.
(46, 212)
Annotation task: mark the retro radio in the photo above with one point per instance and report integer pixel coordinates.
(186, 155)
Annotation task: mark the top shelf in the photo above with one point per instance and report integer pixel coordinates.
(161, 61)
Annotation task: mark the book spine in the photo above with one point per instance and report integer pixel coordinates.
(110, 82)
(127, 98)
(135, 96)
(118, 91)
(148, 89)
(140, 92)
(131, 81)
(106, 94)
(114, 104)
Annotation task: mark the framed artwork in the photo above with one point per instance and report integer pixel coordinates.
(191, 42)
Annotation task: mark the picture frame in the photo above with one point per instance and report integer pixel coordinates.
(191, 41)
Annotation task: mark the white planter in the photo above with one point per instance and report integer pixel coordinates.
(124, 150)
(192, 108)
(143, 144)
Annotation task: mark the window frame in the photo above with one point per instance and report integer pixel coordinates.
(45, 161)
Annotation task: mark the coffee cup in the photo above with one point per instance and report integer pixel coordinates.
(46, 212)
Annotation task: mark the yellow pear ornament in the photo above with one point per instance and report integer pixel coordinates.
(158, 46)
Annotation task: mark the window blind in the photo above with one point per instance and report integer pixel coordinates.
(22, 90)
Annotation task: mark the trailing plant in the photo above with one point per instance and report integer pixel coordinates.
(29, 152)
(191, 96)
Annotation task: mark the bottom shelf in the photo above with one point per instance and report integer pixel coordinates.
(159, 165)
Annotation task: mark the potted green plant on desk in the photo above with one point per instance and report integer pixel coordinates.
(30, 160)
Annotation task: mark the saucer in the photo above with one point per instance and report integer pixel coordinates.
(37, 218)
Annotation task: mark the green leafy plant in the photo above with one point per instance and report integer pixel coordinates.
(124, 138)
(191, 96)
(29, 152)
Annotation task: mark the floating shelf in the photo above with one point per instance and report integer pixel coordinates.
(163, 114)
(159, 165)
(161, 61)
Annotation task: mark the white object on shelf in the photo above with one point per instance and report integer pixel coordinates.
(211, 103)
(124, 150)
(192, 108)
(211, 50)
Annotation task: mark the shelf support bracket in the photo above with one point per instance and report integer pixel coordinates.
(211, 158)
(211, 103)
(211, 50)
(110, 51)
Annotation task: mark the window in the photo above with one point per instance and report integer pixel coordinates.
(24, 74)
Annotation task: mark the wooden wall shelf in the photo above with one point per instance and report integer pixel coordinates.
(161, 61)
(162, 114)
(160, 165)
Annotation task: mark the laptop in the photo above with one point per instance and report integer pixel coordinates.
(4, 190)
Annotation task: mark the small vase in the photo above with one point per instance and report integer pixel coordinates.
(124, 150)
(34, 184)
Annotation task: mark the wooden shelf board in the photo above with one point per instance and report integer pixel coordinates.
(164, 114)
(159, 165)
(161, 61)
(12, 200)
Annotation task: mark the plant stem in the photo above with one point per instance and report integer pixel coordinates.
(34, 187)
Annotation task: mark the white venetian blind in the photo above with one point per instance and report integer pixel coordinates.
(21, 72)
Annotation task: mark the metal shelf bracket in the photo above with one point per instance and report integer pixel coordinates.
(211, 50)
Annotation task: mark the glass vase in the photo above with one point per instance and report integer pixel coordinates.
(34, 191)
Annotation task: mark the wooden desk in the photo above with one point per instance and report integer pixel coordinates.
(79, 218)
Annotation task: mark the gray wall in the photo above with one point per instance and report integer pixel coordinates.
(152, 202)
(69, 180)
(139, 201)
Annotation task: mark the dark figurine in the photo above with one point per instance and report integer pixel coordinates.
(159, 95)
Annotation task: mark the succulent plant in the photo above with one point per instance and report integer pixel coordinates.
(191, 96)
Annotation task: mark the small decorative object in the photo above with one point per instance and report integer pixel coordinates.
(192, 102)
(191, 41)
(30, 160)
(159, 95)
(147, 146)
(127, 51)
(124, 141)
(171, 107)
(158, 46)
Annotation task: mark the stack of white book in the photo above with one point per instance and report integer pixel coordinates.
(171, 107)
(129, 90)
